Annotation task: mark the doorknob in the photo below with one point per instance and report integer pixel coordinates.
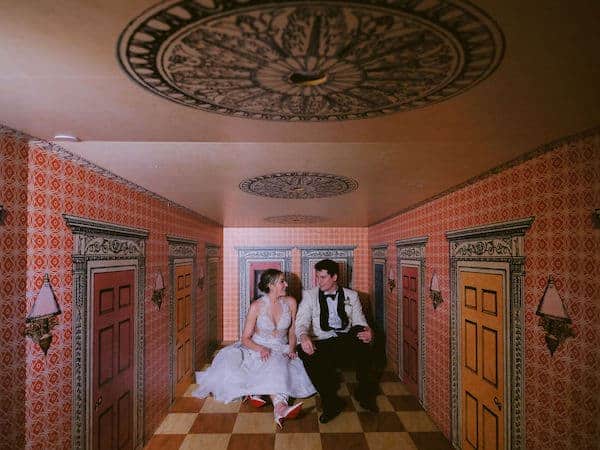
(497, 403)
(98, 402)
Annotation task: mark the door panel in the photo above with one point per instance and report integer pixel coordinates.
(112, 374)
(183, 320)
(410, 321)
(482, 373)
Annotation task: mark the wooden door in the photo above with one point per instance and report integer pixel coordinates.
(183, 328)
(410, 327)
(213, 316)
(482, 363)
(112, 365)
(379, 295)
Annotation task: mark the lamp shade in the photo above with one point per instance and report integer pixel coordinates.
(45, 304)
(551, 304)
(435, 283)
(200, 271)
(159, 282)
(391, 274)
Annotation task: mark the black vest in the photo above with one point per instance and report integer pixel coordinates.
(324, 316)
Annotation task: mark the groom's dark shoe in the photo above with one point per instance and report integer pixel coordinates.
(367, 402)
(331, 410)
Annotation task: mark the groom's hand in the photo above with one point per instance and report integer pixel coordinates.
(366, 335)
(307, 345)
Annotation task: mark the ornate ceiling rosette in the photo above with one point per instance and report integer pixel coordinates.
(307, 60)
(299, 185)
(295, 219)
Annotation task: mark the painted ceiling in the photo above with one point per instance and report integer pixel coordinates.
(291, 113)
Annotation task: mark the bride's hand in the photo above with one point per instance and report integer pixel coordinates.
(292, 354)
(265, 353)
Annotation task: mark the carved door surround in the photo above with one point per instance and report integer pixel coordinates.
(411, 252)
(379, 257)
(103, 246)
(498, 247)
(181, 251)
(343, 255)
(211, 274)
(249, 255)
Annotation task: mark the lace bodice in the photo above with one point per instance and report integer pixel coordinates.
(266, 329)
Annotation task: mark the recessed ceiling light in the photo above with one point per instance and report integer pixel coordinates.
(66, 138)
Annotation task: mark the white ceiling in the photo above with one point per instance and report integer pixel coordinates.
(60, 74)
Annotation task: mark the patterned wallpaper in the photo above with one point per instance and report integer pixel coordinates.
(288, 237)
(57, 185)
(561, 188)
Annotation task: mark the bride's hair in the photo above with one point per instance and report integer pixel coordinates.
(268, 277)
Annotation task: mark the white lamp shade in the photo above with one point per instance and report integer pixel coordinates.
(159, 282)
(200, 271)
(435, 283)
(551, 303)
(391, 274)
(45, 304)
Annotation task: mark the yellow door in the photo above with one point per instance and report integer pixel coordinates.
(482, 362)
(183, 322)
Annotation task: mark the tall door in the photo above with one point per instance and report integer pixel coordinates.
(410, 327)
(183, 322)
(213, 317)
(379, 296)
(482, 361)
(112, 365)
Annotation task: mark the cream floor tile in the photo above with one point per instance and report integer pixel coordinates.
(188, 392)
(416, 421)
(254, 423)
(346, 422)
(350, 377)
(298, 441)
(205, 441)
(382, 402)
(394, 388)
(177, 423)
(388, 441)
(307, 403)
(213, 406)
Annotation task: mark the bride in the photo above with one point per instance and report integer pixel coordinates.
(265, 361)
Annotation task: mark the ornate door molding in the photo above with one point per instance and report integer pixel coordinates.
(379, 257)
(181, 250)
(494, 245)
(309, 256)
(411, 252)
(101, 244)
(249, 255)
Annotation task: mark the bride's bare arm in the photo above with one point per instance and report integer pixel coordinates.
(292, 330)
(249, 327)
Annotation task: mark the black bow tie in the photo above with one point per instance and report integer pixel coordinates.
(331, 296)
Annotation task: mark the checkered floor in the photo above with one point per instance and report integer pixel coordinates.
(206, 424)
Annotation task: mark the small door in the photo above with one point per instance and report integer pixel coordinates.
(410, 327)
(112, 365)
(183, 322)
(482, 363)
(379, 296)
(213, 317)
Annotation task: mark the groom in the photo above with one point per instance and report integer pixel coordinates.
(332, 332)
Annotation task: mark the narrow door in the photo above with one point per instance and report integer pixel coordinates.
(183, 322)
(213, 317)
(112, 364)
(410, 328)
(482, 362)
(379, 297)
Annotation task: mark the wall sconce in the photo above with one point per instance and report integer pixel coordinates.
(159, 289)
(201, 276)
(42, 317)
(553, 317)
(391, 279)
(434, 290)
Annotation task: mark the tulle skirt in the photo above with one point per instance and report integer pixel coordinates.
(237, 371)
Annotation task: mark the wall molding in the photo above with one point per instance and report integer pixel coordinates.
(309, 255)
(411, 252)
(493, 245)
(98, 244)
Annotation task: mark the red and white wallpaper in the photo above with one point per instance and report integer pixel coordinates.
(561, 189)
(55, 185)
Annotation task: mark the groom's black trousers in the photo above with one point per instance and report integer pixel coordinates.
(342, 351)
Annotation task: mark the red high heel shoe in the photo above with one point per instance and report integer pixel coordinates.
(256, 401)
(291, 412)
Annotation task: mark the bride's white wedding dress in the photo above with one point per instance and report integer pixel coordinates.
(237, 371)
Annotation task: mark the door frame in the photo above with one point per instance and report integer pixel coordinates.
(212, 252)
(411, 252)
(497, 247)
(182, 251)
(105, 246)
(379, 256)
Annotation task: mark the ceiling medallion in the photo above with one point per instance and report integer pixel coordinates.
(295, 219)
(299, 185)
(317, 61)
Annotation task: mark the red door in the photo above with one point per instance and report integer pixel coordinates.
(410, 321)
(112, 369)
